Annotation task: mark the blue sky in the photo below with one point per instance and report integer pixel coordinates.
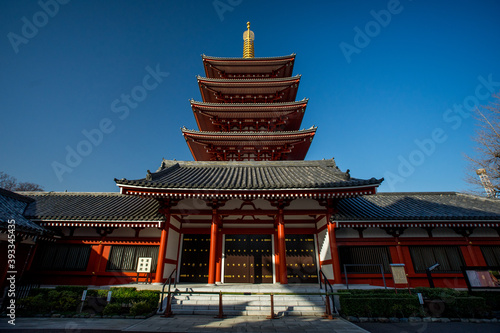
(390, 83)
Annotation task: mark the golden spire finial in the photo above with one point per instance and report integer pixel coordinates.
(248, 38)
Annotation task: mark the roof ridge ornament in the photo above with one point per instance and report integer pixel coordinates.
(248, 38)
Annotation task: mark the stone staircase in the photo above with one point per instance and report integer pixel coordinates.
(195, 300)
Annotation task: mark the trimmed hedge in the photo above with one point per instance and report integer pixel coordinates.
(66, 299)
(366, 305)
(438, 302)
(49, 300)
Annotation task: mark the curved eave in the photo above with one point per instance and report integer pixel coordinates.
(246, 135)
(205, 57)
(251, 81)
(156, 190)
(249, 106)
(248, 67)
(103, 220)
(403, 222)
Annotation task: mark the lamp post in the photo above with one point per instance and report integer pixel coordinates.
(429, 276)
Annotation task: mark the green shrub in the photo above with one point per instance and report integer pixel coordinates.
(399, 305)
(97, 292)
(465, 307)
(124, 295)
(76, 289)
(439, 293)
(152, 297)
(37, 291)
(68, 298)
(492, 299)
(35, 304)
(130, 296)
(141, 308)
(439, 302)
(67, 301)
(113, 309)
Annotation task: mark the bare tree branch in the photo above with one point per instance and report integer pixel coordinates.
(487, 148)
(10, 183)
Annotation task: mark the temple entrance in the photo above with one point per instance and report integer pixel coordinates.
(248, 259)
(301, 259)
(194, 259)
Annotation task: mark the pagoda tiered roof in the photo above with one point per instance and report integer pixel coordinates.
(271, 67)
(216, 146)
(314, 179)
(248, 90)
(249, 116)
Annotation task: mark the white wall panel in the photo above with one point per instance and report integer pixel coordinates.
(122, 232)
(172, 244)
(324, 246)
(167, 270)
(484, 232)
(328, 270)
(346, 233)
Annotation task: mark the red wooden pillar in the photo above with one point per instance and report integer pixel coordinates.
(281, 247)
(400, 252)
(32, 256)
(334, 251)
(276, 256)
(212, 261)
(472, 255)
(97, 263)
(160, 266)
(218, 266)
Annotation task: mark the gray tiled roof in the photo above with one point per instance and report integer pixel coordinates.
(418, 206)
(380, 207)
(91, 207)
(12, 207)
(249, 175)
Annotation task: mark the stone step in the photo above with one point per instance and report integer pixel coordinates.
(197, 301)
(230, 312)
(248, 297)
(284, 305)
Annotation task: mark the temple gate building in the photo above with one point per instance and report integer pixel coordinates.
(251, 209)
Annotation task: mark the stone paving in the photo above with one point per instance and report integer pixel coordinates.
(183, 324)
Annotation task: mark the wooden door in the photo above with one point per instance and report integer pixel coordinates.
(301, 259)
(194, 260)
(248, 259)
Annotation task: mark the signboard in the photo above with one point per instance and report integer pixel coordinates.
(144, 265)
(482, 277)
(399, 274)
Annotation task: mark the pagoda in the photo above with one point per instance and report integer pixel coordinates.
(249, 110)
(249, 208)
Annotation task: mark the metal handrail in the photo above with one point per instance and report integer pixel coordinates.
(322, 274)
(169, 280)
(169, 313)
